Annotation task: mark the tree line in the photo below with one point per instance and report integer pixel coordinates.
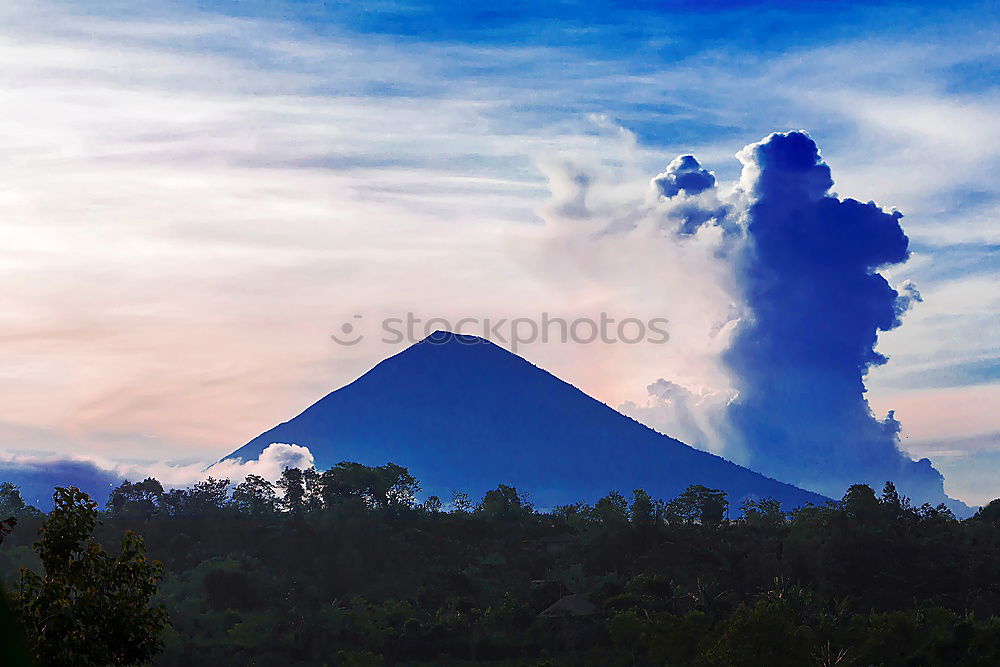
(346, 567)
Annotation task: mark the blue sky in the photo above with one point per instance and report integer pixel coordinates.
(196, 194)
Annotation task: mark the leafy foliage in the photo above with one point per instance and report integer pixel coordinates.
(89, 607)
(13, 505)
(345, 567)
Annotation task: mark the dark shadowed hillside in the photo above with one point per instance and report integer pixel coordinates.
(464, 414)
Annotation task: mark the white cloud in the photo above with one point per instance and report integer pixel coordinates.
(695, 417)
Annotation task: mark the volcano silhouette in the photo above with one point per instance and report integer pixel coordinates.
(466, 415)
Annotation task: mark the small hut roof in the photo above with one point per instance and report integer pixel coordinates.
(571, 605)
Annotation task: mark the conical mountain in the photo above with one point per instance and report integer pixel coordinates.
(466, 415)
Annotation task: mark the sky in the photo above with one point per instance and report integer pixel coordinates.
(196, 195)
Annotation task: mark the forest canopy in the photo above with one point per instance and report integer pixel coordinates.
(346, 567)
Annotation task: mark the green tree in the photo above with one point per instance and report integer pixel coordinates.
(255, 496)
(14, 651)
(12, 504)
(395, 488)
(698, 504)
(461, 502)
(292, 485)
(503, 502)
(767, 633)
(611, 510)
(432, 505)
(989, 513)
(136, 500)
(861, 505)
(390, 488)
(312, 484)
(89, 608)
(174, 502)
(763, 513)
(642, 509)
(349, 484)
(207, 497)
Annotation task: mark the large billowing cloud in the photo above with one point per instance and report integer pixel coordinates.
(789, 275)
(815, 303)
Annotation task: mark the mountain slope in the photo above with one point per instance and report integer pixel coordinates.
(465, 415)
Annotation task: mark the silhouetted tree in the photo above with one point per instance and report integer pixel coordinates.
(861, 505)
(395, 488)
(611, 510)
(503, 503)
(432, 505)
(12, 504)
(255, 496)
(174, 502)
(349, 483)
(292, 485)
(207, 497)
(642, 509)
(989, 513)
(461, 502)
(763, 513)
(698, 504)
(312, 499)
(136, 500)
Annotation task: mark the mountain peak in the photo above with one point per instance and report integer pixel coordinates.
(443, 337)
(446, 357)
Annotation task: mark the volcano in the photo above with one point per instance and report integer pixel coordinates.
(466, 415)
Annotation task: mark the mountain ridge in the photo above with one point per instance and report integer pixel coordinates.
(464, 414)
